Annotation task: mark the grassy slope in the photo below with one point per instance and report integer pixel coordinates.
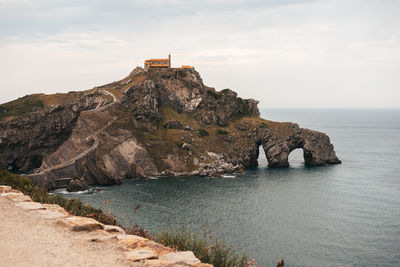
(29, 103)
(21, 106)
(118, 88)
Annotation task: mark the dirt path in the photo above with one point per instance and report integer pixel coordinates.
(34, 234)
(29, 240)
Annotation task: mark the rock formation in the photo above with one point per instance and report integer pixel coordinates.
(153, 122)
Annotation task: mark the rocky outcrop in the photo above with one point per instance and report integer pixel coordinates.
(316, 146)
(137, 250)
(129, 160)
(27, 139)
(183, 90)
(76, 185)
(221, 107)
(153, 122)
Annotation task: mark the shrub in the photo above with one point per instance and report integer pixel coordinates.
(204, 246)
(213, 94)
(156, 120)
(203, 132)
(222, 131)
(179, 144)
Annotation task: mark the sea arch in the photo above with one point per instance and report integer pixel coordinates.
(316, 146)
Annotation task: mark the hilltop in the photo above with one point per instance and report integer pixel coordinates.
(153, 122)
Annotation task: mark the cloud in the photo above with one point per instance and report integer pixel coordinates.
(285, 53)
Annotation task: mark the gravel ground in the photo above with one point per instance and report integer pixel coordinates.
(26, 239)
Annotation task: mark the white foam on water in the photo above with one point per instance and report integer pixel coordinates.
(65, 192)
(228, 176)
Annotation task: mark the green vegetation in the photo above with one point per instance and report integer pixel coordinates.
(179, 144)
(213, 94)
(29, 103)
(156, 120)
(203, 132)
(222, 131)
(206, 248)
(61, 98)
(20, 106)
(73, 206)
(141, 132)
(225, 91)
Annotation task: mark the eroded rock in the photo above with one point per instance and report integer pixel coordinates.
(186, 257)
(5, 189)
(140, 254)
(30, 205)
(76, 223)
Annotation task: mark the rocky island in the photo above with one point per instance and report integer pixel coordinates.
(154, 122)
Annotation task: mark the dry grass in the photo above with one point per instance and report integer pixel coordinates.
(21, 106)
(60, 98)
(118, 88)
(205, 246)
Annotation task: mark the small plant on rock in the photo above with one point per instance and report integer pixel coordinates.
(222, 131)
(203, 132)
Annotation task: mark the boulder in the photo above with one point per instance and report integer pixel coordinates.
(130, 241)
(22, 198)
(140, 254)
(30, 205)
(174, 125)
(186, 257)
(77, 185)
(5, 189)
(213, 155)
(77, 223)
(186, 146)
(114, 229)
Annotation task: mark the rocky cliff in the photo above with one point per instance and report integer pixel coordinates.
(153, 122)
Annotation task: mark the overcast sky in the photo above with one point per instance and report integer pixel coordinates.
(285, 53)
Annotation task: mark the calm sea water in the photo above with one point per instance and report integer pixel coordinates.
(342, 215)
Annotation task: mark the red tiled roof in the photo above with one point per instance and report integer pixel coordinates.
(157, 59)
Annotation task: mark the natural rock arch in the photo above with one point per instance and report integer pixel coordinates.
(316, 146)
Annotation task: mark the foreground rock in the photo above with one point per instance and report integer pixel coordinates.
(134, 250)
(153, 122)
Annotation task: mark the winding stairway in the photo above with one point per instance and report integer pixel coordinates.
(65, 171)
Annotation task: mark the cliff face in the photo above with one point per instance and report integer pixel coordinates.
(153, 122)
(27, 139)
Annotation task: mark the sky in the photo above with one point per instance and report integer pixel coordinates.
(284, 53)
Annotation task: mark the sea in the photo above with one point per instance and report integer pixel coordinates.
(337, 215)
